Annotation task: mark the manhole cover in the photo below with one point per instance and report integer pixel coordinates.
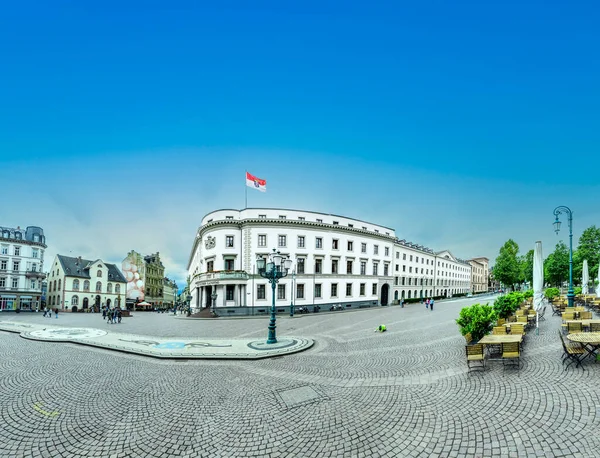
(298, 396)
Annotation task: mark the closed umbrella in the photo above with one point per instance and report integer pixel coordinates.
(586, 277)
(538, 281)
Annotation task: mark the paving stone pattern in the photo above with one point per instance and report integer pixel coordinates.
(355, 393)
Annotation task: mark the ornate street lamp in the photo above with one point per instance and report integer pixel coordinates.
(557, 211)
(293, 292)
(277, 267)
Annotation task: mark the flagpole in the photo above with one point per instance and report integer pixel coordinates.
(246, 187)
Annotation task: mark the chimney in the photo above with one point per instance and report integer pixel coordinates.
(79, 260)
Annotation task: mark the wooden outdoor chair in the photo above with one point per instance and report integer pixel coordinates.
(572, 352)
(585, 315)
(501, 321)
(574, 327)
(555, 309)
(499, 330)
(511, 353)
(568, 316)
(475, 357)
(542, 313)
(595, 327)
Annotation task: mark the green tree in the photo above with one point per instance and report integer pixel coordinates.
(556, 265)
(507, 269)
(588, 248)
(527, 267)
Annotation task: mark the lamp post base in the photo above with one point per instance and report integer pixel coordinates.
(271, 339)
(570, 298)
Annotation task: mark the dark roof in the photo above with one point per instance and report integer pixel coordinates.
(79, 267)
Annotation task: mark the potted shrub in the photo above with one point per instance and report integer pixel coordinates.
(528, 294)
(505, 306)
(477, 320)
(551, 293)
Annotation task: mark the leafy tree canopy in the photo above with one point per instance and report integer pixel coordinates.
(507, 269)
(556, 265)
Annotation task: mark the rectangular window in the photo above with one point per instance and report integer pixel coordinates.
(229, 264)
(416, 259)
(336, 222)
(229, 241)
(280, 291)
(363, 247)
(334, 290)
(262, 216)
(301, 241)
(318, 266)
(229, 292)
(375, 267)
(395, 281)
(404, 257)
(282, 241)
(34, 253)
(261, 292)
(410, 270)
(397, 267)
(334, 266)
(281, 216)
(348, 289)
(403, 281)
(374, 291)
(349, 267)
(363, 268)
(3, 264)
(403, 268)
(350, 246)
(376, 249)
(262, 240)
(334, 244)
(319, 242)
(386, 269)
(15, 282)
(387, 251)
(300, 265)
(17, 251)
(397, 255)
(210, 266)
(34, 267)
(4, 250)
(2, 282)
(410, 281)
(299, 291)
(362, 289)
(411, 258)
(16, 265)
(318, 290)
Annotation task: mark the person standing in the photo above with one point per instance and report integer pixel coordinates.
(427, 304)
(431, 304)
(55, 313)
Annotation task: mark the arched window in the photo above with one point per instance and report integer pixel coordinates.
(54, 285)
(75, 300)
(416, 294)
(403, 295)
(76, 285)
(109, 288)
(409, 294)
(86, 285)
(98, 287)
(117, 288)
(59, 284)
(99, 273)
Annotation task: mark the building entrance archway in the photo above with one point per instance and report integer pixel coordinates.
(385, 292)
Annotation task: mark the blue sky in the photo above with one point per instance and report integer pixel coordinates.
(460, 124)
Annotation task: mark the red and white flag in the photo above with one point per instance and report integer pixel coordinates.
(256, 183)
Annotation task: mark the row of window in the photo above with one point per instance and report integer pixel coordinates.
(261, 290)
(302, 218)
(56, 286)
(4, 250)
(16, 265)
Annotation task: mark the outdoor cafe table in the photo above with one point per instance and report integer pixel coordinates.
(589, 340)
(497, 339)
(584, 323)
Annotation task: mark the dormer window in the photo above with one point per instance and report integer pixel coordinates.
(36, 238)
(336, 222)
(229, 217)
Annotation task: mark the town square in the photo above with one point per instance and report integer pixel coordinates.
(300, 229)
(356, 392)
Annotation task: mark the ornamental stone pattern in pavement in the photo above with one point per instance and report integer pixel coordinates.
(355, 393)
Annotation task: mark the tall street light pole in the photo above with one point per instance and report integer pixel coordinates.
(293, 292)
(277, 267)
(557, 211)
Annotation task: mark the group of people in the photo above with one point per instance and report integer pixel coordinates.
(114, 315)
(48, 312)
(429, 304)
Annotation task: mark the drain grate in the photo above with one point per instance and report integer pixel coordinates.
(299, 396)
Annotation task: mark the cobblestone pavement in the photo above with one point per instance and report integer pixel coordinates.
(355, 393)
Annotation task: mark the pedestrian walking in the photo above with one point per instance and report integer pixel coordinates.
(55, 313)
(119, 315)
(431, 304)
(103, 313)
(427, 304)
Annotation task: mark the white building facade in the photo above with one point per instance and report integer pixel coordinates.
(21, 267)
(336, 260)
(480, 276)
(84, 283)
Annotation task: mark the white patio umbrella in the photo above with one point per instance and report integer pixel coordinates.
(586, 277)
(538, 281)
